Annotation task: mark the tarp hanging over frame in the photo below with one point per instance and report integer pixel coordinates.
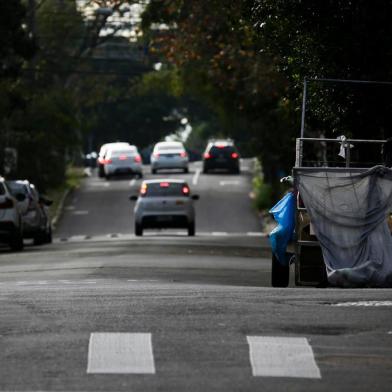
(349, 213)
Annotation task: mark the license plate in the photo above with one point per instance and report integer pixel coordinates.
(164, 219)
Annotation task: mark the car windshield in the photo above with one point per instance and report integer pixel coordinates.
(164, 189)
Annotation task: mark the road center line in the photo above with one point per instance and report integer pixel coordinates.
(229, 182)
(282, 357)
(120, 353)
(196, 176)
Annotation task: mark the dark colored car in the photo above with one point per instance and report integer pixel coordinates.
(222, 155)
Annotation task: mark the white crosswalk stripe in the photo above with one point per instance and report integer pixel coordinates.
(120, 353)
(282, 357)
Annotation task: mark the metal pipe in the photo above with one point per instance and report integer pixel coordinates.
(303, 109)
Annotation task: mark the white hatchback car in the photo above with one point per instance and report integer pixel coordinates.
(122, 160)
(169, 155)
(102, 152)
(164, 204)
(11, 225)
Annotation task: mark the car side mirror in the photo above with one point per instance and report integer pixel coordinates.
(195, 197)
(20, 197)
(133, 198)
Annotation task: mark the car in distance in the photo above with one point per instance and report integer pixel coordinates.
(164, 203)
(122, 160)
(222, 155)
(34, 209)
(102, 152)
(169, 155)
(11, 225)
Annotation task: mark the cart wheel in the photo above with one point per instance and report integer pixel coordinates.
(279, 273)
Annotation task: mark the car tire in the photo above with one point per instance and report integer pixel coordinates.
(16, 242)
(279, 273)
(138, 230)
(101, 173)
(153, 171)
(191, 229)
(48, 235)
(107, 176)
(140, 175)
(205, 170)
(186, 170)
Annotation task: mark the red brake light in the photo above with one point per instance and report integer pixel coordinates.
(207, 155)
(183, 154)
(122, 158)
(185, 190)
(101, 160)
(138, 159)
(164, 185)
(234, 155)
(220, 146)
(156, 155)
(7, 203)
(106, 161)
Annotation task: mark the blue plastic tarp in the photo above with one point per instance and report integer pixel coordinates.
(284, 214)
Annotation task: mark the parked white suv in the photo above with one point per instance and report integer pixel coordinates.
(11, 225)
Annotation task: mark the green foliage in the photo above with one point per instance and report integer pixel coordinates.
(262, 194)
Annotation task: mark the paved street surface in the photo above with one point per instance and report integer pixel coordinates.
(103, 310)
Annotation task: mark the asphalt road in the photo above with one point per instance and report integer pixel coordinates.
(103, 310)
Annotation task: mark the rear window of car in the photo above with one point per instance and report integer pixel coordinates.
(118, 153)
(2, 190)
(17, 188)
(216, 150)
(167, 147)
(165, 189)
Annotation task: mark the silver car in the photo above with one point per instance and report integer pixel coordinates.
(169, 155)
(122, 160)
(11, 224)
(102, 152)
(35, 211)
(164, 204)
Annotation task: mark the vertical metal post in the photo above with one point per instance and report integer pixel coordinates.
(303, 108)
(348, 158)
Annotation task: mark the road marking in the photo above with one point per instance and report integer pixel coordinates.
(196, 176)
(282, 357)
(219, 233)
(229, 182)
(364, 303)
(120, 353)
(255, 234)
(80, 212)
(70, 208)
(103, 184)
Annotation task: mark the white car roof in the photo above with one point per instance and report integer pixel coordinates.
(167, 145)
(169, 180)
(106, 146)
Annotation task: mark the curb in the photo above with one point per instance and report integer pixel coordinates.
(60, 207)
